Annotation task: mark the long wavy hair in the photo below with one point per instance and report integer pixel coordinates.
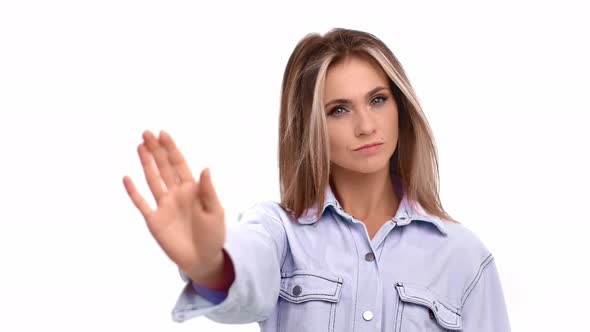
(304, 160)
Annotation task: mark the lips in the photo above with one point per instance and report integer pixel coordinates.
(367, 145)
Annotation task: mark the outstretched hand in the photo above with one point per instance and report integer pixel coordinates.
(189, 221)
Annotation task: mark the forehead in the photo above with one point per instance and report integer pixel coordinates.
(353, 75)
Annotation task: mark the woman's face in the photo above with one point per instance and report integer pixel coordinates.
(363, 114)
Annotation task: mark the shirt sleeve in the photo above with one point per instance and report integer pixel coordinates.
(256, 245)
(212, 295)
(484, 308)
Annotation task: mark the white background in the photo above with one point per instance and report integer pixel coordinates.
(504, 85)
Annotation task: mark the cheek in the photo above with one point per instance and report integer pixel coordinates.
(392, 124)
(336, 139)
(335, 144)
(393, 129)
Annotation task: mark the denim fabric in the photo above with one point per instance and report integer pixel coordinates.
(418, 273)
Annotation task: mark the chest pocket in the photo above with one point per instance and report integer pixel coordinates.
(307, 301)
(419, 309)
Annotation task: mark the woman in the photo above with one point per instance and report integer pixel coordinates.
(359, 241)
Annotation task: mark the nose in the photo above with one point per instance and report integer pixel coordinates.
(365, 122)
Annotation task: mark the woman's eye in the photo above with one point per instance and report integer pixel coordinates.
(380, 97)
(334, 111)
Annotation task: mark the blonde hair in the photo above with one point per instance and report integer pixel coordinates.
(304, 160)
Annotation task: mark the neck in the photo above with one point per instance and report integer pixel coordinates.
(365, 196)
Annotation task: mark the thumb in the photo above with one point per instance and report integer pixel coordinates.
(207, 192)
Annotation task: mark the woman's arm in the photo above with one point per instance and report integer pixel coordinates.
(255, 246)
(484, 308)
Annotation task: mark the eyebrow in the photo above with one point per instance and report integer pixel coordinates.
(348, 101)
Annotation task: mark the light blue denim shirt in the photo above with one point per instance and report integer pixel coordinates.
(418, 273)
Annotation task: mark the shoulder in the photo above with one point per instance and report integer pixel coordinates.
(465, 241)
(263, 212)
(261, 220)
(449, 238)
(266, 210)
(470, 254)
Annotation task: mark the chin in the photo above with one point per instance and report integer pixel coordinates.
(370, 170)
(365, 167)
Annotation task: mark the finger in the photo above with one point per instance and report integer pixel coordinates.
(164, 168)
(136, 197)
(151, 173)
(176, 158)
(188, 197)
(207, 192)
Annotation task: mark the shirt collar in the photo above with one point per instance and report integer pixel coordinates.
(406, 213)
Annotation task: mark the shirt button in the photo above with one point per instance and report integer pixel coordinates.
(370, 257)
(297, 290)
(367, 315)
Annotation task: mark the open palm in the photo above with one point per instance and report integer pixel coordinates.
(189, 222)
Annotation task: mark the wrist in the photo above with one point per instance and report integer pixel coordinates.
(214, 277)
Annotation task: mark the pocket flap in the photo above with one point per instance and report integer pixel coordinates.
(304, 285)
(447, 315)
